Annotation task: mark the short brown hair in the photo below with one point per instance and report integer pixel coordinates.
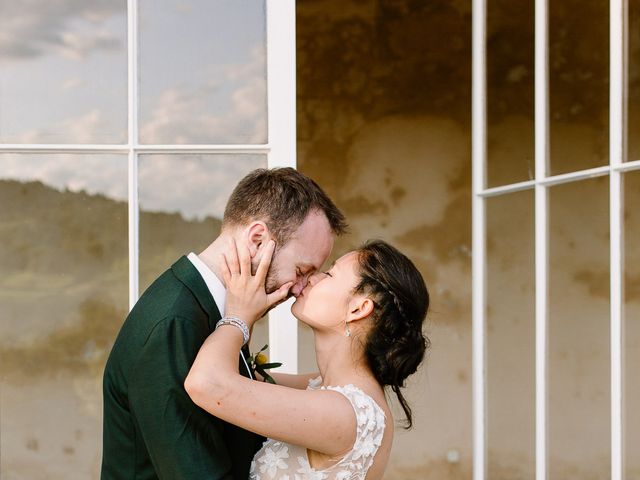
(282, 198)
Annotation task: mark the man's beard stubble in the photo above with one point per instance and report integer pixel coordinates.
(271, 282)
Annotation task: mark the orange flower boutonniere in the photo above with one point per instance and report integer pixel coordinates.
(259, 362)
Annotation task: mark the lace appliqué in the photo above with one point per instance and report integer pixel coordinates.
(278, 460)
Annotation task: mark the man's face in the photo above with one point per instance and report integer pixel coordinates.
(302, 255)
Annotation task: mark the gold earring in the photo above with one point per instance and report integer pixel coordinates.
(346, 325)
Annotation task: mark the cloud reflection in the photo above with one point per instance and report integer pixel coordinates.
(73, 28)
(94, 174)
(185, 114)
(195, 186)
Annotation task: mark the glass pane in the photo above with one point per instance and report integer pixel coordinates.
(63, 297)
(631, 342)
(510, 91)
(578, 348)
(63, 72)
(634, 80)
(511, 337)
(182, 200)
(203, 72)
(578, 85)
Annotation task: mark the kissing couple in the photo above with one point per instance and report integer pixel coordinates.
(180, 398)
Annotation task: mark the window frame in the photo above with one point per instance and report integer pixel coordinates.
(280, 148)
(618, 74)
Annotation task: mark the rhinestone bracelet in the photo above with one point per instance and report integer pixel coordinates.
(238, 323)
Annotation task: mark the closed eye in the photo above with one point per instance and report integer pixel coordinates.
(304, 274)
(327, 274)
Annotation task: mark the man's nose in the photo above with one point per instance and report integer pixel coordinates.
(301, 282)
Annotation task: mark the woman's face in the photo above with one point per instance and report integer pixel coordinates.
(324, 303)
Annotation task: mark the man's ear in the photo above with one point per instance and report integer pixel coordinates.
(360, 307)
(257, 235)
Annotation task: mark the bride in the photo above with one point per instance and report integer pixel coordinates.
(366, 313)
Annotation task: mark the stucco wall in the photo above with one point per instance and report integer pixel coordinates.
(384, 126)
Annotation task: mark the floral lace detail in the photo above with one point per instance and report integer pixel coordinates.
(272, 460)
(279, 460)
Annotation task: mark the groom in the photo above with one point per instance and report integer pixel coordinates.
(151, 429)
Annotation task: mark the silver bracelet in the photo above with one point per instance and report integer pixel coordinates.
(238, 323)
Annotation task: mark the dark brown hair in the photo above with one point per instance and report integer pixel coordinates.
(395, 345)
(282, 198)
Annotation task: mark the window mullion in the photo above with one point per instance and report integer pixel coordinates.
(281, 107)
(617, 155)
(541, 229)
(226, 149)
(479, 257)
(132, 95)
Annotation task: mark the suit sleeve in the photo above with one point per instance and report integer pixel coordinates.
(183, 440)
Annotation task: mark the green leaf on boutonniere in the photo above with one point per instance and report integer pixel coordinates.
(264, 366)
(260, 363)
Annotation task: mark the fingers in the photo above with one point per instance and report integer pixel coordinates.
(279, 295)
(244, 256)
(265, 261)
(224, 269)
(232, 258)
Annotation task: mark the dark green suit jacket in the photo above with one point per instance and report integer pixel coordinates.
(151, 428)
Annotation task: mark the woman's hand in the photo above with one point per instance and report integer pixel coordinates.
(247, 298)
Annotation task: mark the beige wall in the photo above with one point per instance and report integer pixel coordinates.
(383, 125)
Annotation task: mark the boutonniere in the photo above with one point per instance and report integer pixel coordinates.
(260, 363)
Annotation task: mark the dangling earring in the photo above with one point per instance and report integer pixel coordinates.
(346, 326)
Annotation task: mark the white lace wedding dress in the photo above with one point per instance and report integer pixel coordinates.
(282, 461)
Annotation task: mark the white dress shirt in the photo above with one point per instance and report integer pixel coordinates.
(215, 286)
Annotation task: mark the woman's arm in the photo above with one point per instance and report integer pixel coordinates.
(321, 420)
(299, 381)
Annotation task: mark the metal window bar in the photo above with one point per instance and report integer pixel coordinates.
(541, 230)
(479, 154)
(617, 154)
(617, 166)
(563, 178)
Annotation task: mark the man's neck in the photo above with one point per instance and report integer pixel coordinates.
(211, 256)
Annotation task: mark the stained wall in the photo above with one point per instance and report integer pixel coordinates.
(384, 125)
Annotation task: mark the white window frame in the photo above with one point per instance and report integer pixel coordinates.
(617, 166)
(280, 148)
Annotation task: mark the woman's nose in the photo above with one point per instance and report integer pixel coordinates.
(315, 278)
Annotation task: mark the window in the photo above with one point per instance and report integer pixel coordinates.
(123, 128)
(555, 250)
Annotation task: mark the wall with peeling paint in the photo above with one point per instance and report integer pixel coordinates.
(384, 126)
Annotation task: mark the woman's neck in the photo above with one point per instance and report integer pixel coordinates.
(338, 362)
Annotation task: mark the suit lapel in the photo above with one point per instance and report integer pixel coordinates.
(188, 274)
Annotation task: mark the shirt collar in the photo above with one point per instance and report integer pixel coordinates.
(215, 286)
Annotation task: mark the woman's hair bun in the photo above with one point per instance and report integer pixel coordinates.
(395, 345)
